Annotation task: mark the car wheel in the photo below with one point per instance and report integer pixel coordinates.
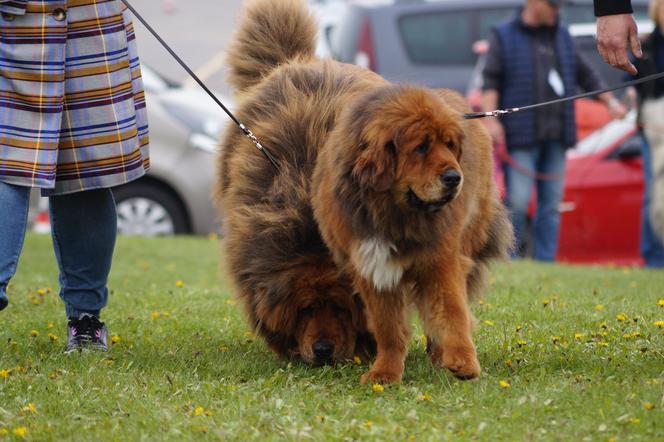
(148, 209)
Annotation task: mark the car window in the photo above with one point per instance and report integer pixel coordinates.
(489, 18)
(573, 14)
(440, 38)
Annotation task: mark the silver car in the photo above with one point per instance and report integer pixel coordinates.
(175, 197)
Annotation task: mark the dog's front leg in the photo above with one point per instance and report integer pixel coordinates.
(386, 318)
(447, 319)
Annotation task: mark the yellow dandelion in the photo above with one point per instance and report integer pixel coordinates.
(660, 303)
(179, 283)
(223, 349)
(213, 236)
(368, 424)
(52, 337)
(41, 292)
(504, 384)
(50, 325)
(555, 339)
(424, 397)
(648, 406)
(603, 325)
(603, 344)
(508, 362)
(659, 324)
(249, 334)
(29, 409)
(20, 431)
(635, 421)
(546, 302)
(36, 301)
(377, 388)
(519, 328)
(621, 317)
(198, 411)
(521, 343)
(109, 361)
(599, 307)
(423, 339)
(4, 374)
(357, 360)
(115, 339)
(489, 323)
(34, 333)
(4, 432)
(155, 315)
(166, 314)
(208, 413)
(578, 336)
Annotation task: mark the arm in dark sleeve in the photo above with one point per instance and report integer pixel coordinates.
(586, 75)
(612, 7)
(493, 69)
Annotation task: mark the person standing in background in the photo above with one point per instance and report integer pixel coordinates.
(72, 123)
(532, 58)
(616, 31)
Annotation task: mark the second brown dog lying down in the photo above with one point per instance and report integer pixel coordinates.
(399, 183)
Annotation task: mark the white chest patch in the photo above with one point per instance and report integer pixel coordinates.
(373, 259)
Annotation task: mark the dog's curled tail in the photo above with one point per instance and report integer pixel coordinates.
(271, 33)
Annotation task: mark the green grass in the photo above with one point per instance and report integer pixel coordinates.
(195, 372)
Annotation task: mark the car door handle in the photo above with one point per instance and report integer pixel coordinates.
(567, 206)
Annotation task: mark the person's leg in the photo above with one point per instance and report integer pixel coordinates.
(84, 228)
(518, 187)
(652, 249)
(14, 202)
(546, 228)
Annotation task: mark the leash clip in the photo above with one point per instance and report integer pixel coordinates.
(258, 145)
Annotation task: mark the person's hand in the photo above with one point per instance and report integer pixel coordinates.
(496, 130)
(617, 110)
(614, 34)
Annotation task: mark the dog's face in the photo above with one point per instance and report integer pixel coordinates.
(412, 148)
(320, 321)
(325, 333)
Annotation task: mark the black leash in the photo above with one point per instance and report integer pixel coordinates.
(239, 124)
(498, 113)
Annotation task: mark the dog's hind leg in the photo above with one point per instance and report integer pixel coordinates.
(386, 318)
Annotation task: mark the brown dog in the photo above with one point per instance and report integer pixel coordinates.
(401, 190)
(293, 293)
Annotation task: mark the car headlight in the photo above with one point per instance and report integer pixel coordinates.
(204, 142)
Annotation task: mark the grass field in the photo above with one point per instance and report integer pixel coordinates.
(568, 353)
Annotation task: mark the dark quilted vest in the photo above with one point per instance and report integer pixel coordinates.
(519, 83)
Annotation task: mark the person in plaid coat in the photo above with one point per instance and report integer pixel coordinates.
(72, 123)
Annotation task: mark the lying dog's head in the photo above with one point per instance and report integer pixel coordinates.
(409, 143)
(320, 321)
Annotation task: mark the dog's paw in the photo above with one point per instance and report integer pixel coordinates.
(461, 361)
(380, 377)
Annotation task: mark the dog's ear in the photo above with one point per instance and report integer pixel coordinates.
(375, 166)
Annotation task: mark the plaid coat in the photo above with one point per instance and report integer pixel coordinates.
(72, 107)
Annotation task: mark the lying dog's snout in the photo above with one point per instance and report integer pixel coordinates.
(323, 350)
(451, 178)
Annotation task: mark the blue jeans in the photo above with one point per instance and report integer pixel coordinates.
(83, 227)
(651, 247)
(548, 159)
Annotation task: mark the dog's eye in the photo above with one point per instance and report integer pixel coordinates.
(423, 148)
(451, 145)
(307, 311)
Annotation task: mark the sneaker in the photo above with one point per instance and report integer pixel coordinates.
(86, 332)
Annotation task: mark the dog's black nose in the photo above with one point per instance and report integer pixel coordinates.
(451, 178)
(323, 350)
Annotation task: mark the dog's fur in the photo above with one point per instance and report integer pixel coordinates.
(401, 190)
(651, 115)
(292, 291)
